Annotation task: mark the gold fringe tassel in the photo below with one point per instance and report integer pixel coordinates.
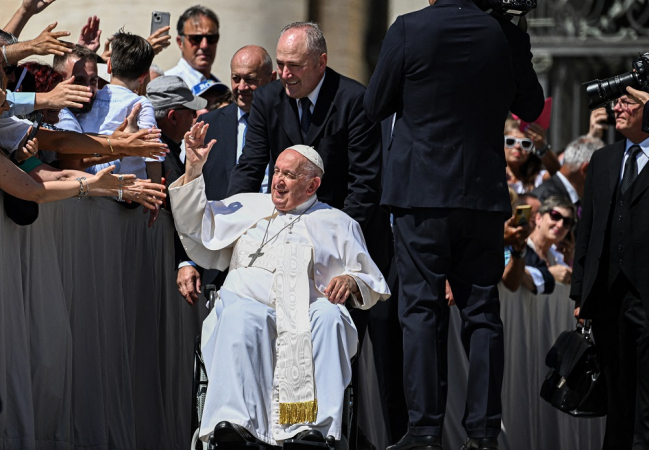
(298, 412)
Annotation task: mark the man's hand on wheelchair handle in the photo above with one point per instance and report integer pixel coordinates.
(189, 283)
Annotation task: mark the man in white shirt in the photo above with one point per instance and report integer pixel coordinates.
(198, 36)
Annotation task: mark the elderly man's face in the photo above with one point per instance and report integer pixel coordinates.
(628, 115)
(198, 45)
(290, 186)
(85, 74)
(247, 74)
(299, 69)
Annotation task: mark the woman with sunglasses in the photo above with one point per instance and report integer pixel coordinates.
(552, 238)
(523, 162)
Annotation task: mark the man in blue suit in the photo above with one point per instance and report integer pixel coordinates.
(451, 73)
(251, 67)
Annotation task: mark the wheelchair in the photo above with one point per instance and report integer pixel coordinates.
(199, 391)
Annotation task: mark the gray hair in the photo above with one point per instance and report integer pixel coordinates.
(156, 69)
(310, 170)
(581, 150)
(315, 40)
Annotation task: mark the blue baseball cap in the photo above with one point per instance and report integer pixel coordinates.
(207, 85)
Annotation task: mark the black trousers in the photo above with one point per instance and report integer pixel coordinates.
(465, 247)
(621, 331)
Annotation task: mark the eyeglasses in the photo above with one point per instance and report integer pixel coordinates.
(556, 216)
(196, 39)
(625, 105)
(525, 143)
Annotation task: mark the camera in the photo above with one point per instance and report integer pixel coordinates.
(601, 92)
(507, 7)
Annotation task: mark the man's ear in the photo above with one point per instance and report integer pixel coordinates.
(273, 76)
(583, 169)
(109, 67)
(322, 63)
(179, 41)
(313, 185)
(171, 117)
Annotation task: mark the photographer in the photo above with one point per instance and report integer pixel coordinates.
(609, 279)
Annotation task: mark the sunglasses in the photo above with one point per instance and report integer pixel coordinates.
(556, 216)
(525, 143)
(196, 39)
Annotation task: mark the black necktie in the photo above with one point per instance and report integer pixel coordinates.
(305, 121)
(244, 117)
(630, 168)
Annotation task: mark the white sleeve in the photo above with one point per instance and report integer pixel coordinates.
(537, 277)
(12, 132)
(146, 120)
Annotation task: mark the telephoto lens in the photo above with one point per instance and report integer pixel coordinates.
(600, 92)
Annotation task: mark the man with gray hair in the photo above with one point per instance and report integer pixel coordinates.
(570, 180)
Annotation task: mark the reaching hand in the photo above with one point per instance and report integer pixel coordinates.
(143, 143)
(107, 51)
(150, 195)
(561, 273)
(36, 6)
(131, 120)
(105, 180)
(48, 43)
(67, 95)
(90, 34)
(158, 41)
(196, 151)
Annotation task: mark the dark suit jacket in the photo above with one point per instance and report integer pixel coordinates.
(597, 205)
(349, 144)
(551, 187)
(451, 73)
(223, 156)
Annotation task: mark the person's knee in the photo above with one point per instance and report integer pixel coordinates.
(325, 314)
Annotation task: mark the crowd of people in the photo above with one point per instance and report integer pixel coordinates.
(114, 124)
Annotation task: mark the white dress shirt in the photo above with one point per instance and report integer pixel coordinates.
(188, 74)
(572, 192)
(642, 157)
(313, 96)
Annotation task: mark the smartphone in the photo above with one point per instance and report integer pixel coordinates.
(160, 19)
(35, 126)
(522, 215)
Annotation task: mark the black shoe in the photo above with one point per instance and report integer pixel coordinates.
(310, 436)
(481, 444)
(408, 441)
(230, 433)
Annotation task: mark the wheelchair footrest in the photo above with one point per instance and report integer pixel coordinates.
(295, 444)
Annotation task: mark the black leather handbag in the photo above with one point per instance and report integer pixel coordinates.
(575, 383)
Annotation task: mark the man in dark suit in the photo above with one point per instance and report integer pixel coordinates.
(251, 67)
(570, 180)
(451, 73)
(610, 278)
(312, 104)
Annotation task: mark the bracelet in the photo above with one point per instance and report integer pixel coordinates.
(110, 145)
(96, 155)
(543, 150)
(120, 194)
(79, 179)
(4, 55)
(87, 189)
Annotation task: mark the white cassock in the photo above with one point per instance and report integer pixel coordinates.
(248, 342)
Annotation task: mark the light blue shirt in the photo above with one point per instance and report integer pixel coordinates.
(641, 159)
(20, 103)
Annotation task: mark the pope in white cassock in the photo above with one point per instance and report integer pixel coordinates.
(278, 343)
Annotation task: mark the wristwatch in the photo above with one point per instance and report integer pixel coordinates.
(543, 150)
(521, 254)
